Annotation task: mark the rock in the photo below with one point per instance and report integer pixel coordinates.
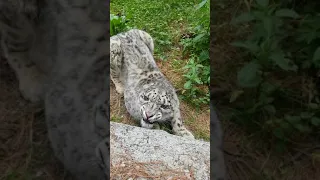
(157, 154)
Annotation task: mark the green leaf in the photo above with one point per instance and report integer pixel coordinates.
(200, 5)
(284, 63)
(269, 100)
(306, 115)
(307, 35)
(263, 3)
(204, 55)
(235, 94)
(287, 13)
(269, 122)
(198, 38)
(313, 106)
(285, 125)
(293, 119)
(316, 56)
(270, 109)
(274, 44)
(111, 30)
(199, 66)
(243, 18)
(248, 76)
(251, 46)
(268, 25)
(271, 10)
(302, 128)
(258, 15)
(197, 80)
(315, 121)
(278, 132)
(268, 87)
(187, 85)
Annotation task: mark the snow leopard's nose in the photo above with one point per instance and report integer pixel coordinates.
(148, 116)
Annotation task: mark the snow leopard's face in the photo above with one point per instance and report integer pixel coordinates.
(155, 106)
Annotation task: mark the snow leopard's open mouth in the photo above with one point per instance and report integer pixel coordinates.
(147, 121)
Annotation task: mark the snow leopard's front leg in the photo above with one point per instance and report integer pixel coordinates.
(116, 56)
(178, 127)
(16, 44)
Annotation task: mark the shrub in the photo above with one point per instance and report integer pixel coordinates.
(282, 46)
(198, 67)
(118, 24)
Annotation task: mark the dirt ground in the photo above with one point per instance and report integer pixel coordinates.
(251, 159)
(24, 147)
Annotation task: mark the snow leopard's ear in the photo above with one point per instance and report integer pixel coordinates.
(178, 91)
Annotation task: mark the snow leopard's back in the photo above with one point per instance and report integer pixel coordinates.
(141, 73)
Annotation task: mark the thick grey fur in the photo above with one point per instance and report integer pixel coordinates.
(59, 51)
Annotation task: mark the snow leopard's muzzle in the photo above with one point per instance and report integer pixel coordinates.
(150, 114)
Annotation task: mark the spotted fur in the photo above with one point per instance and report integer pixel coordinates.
(149, 97)
(59, 51)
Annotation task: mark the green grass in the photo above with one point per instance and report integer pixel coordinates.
(163, 19)
(116, 119)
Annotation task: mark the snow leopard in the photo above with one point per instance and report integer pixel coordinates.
(59, 51)
(149, 97)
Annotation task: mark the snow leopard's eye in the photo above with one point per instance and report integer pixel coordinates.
(145, 98)
(164, 106)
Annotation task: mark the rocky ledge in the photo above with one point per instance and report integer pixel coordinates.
(138, 153)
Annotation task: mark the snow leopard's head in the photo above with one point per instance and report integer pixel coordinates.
(156, 106)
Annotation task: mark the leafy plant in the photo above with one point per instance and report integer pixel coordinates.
(281, 41)
(196, 75)
(265, 44)
(118, 24)
(198, 66)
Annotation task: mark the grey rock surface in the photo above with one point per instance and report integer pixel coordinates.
(135, 144)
